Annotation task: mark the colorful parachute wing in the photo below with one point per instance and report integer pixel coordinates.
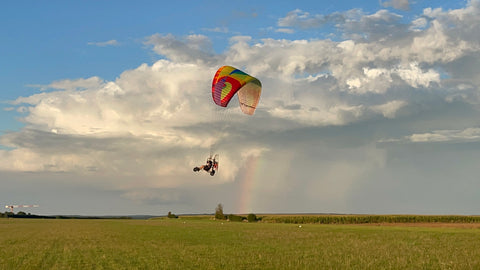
(229, 81)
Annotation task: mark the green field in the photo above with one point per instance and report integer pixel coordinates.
(207, 244)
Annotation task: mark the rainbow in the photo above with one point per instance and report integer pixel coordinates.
(257, 176)
(248, 185)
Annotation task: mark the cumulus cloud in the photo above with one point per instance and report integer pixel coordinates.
(416, 77)
(190, 48)
(419, 24)
(380, 26)
(155, 119)
(131, 104)
(89, 126)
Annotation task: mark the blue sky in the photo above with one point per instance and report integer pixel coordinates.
(105, 106)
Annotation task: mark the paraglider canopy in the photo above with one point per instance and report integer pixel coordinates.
(228, 81)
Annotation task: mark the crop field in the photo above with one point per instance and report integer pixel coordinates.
(202, 243)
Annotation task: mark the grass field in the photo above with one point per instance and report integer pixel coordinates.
(207, 244)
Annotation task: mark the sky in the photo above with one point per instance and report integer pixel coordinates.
(367, 107)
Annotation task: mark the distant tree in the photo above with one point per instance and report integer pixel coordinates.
(252, 218)
(235, 218)
(219, 212)
(21, 213)
(170, 215)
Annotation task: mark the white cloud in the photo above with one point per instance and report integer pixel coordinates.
(376, 80)
(416, 77)
(468, 134)
(112, 42)
(216, 29)
(389, 109)
(133, 104)
(397, 4)
(124, 125)
(304, 20)
(190, 48)
(77, 84)
(440, 136)
(285, 30)
(419, 24)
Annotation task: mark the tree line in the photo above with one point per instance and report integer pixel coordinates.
(21, 214)
(219, 215)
